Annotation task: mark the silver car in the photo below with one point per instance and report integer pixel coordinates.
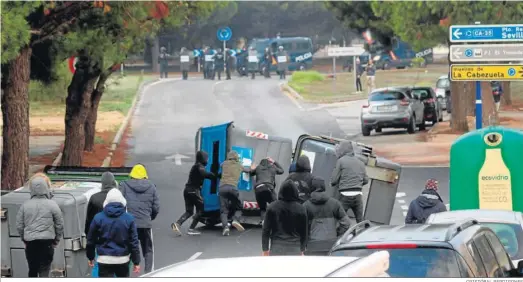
(442, 85)
(393, 107)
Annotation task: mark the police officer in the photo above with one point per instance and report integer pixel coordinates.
(184, 62)
(267, 59)
(229, 63)
(282, 58)
(163, 61)
(242, 62)
(209, 63)
(202, 61)
(219, 63)
(252, 58)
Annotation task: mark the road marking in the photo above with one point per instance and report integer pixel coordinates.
(289, 95)
(195, 256)
(400, 195)
(404, 207)
(177, 158)
(401, 201)
(404, 213)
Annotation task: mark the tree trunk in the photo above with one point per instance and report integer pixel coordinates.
(506, 98)
(470, 88)
(489, 108)
(92, 116)
(15, 114)
(78, 104)
(459, 101)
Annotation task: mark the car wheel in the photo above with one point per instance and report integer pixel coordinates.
(412, 125)
(422, 125)
(378, 130)
(365, 131)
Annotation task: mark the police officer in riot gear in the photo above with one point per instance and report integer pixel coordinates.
(219, 63)
(282, 59)
(229, 63)
(252, 59)
(209, 63)
(164, 62)
(185, 62)
(267, 59)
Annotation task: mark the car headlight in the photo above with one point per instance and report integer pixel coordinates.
(376, 58)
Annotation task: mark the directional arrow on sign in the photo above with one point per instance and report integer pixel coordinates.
(457, 33)
(177, 158)
(457, 53)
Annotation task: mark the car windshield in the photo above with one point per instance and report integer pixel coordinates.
(386, 96)
(443, 83)
(414, 263)
(509, 235)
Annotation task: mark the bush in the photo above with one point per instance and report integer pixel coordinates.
(300, 77)
(55, 91)
(418, 62)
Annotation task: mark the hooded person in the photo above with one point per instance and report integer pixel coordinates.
(114, 237)
(348, 178)
(40, 224)
(96, 201)
(143, 204)
(285, 225)
(265, 174)
(302, 178)
(327, 219)
(192, 194)
(424, 205)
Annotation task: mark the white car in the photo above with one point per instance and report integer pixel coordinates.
(442, 85)
(374, 265)
(508, 226)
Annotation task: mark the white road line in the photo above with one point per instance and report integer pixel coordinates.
(400, 195)
(404, 207)
(401, 201)
(404, 213)
(195, 256)
(293, 100)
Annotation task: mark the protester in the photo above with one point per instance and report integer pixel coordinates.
(348, 178)
(371, 76)
(327, 219)
(497, 92)
(302, 178)
(285, 224)
(192, 194)
(359, 71)
(142, 203)
(114, 237)
(265, 174)
(424, 205)
(40, 224)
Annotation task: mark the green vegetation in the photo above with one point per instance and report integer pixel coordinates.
(121, 92)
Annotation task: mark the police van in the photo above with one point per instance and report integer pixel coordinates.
(299, 50)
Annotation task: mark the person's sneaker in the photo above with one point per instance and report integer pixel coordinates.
(176, 228)
(226, 231)
(238, 226)
(194, 232)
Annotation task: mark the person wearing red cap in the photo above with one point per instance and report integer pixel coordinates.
(424, 205)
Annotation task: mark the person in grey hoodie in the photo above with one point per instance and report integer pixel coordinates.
(40, 224)
(327, 220)
(142, 203)
(348, 178)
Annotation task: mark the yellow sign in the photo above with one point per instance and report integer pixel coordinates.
(495, 183)
(486, 72)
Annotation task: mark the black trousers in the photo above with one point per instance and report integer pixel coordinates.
(229, 204)
(113, 270)
(185, 74)
(264, 196)
(193, 200)
(358, 84)
(219, 74)
(497, 98)
(145, 235)
(282, 74)
(163, 74)
(228, 72)
(39, 255)
(355, 203)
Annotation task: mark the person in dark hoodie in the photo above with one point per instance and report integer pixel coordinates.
(192, 194)
(327, 220)
(285, 224)
(113, 236)
(142, 203)
(265, 174)
(424, 205)
(302, 178)
(348, 178)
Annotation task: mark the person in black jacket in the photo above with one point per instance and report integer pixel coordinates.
(285, 224)
(327, 220)
(265, 174)
(96, 201)
(302, 178)
(424, 205)
(192, 194)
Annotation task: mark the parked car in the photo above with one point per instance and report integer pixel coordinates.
(374, 265)
(508, 226)
(393, 107)
(442, 85)
(461, 249)
(433, 111)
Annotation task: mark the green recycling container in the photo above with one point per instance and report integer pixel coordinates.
(486, 170)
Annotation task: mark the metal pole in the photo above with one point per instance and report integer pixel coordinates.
(224, 56)
(354, 69)
(198, 63)
(334, 67)
(479, 108)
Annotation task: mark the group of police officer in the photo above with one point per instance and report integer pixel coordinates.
(216, 62)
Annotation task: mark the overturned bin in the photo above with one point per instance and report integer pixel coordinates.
(71, 189)
(379, 194)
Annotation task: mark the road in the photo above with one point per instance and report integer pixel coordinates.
(165, 124)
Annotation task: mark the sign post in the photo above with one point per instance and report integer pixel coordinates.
(224, 34)
(485, 53)
(345, 52)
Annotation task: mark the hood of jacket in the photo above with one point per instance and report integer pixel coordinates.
(288, 192)
(138, 185)
(303, 164)
(264, 163)
(318, 196)
(108, 181)
(344, 148)
(39, 187)
(138, 172)
(428, 199)
(202, 157)
(233, 156)
(114, 204)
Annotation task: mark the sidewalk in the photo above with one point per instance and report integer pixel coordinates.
(42, 151)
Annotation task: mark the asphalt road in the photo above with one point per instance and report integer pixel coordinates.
(165, 124)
